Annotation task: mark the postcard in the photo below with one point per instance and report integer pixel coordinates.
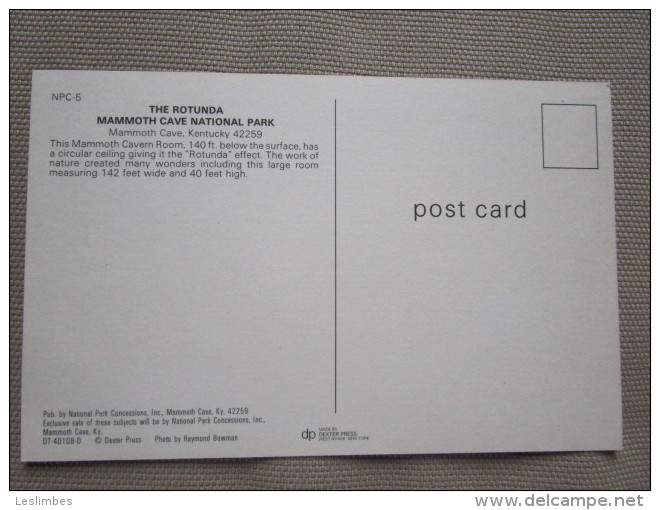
(234, 265)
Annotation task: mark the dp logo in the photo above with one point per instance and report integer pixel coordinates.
(308, 434)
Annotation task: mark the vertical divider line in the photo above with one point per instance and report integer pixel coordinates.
(335, 256)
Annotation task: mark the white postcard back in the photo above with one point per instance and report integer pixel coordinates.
(267, 265)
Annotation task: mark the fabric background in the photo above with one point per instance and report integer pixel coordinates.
(538, 45)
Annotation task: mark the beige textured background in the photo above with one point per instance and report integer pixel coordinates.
(538, 45)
